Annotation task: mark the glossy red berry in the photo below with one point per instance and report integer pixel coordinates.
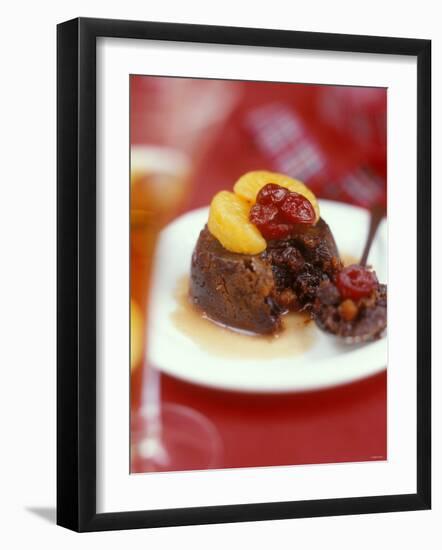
(297, 209)
(261, 214)
(266, 218)
(355, 282)
(272, 194)
(277, 210)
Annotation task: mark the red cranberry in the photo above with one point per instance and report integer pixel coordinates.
(355, 282)
(277, 210)
(297, 209)
(272, 194)
(266, 218)
(275, 231)
(263, 213)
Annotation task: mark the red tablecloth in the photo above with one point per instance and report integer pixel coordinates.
(334, 138)
(339, 425)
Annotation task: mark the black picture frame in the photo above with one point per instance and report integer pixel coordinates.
(76, 273)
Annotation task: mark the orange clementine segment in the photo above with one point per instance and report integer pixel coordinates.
(229, 223)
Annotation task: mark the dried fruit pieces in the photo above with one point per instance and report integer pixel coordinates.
(250, 184)
(229, 223)
(277, 210)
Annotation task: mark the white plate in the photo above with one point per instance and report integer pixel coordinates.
(326, 363)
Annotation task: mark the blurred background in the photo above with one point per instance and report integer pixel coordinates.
(193, 137)
(331, 137)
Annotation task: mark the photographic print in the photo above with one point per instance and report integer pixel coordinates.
(229, 241)
(258, 274)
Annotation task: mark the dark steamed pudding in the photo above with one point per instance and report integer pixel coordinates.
(252, 292)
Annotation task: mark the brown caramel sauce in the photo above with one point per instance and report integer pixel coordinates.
(295, 338)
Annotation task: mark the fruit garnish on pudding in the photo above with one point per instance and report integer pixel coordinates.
(263, 206)
(277, 210)
(250, 184)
